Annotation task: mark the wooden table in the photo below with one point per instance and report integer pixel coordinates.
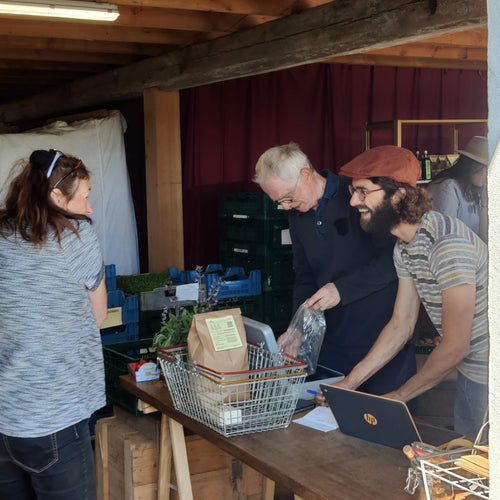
(312, 464)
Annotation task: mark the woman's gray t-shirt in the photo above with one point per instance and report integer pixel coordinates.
(51, 364)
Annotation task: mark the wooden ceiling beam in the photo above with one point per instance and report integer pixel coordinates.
(68, 57)
(334, 29)
(257, 7)
(52, 66)
(46, 78)
(433, 52)
(156, 18)
(151, 17)
(8, 43)
(413, 62)
(77, 31)
(470, 38)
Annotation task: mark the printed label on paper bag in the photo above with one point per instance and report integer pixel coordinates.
(224, 333)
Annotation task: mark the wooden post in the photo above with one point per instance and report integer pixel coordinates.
(163, 179)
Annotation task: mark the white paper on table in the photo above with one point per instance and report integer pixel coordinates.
(321, 418)
(187, 292)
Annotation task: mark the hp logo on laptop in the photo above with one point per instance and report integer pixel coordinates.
(370, 419)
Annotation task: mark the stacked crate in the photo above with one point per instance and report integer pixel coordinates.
(117, 357)
(254, 235)
(125, 305)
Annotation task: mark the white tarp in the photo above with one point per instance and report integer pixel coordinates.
(100, 145)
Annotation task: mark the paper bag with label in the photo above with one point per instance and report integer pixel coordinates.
(217, 340)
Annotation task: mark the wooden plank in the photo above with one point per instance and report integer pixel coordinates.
(163, 180)
(411, 62)
(77, 31)
(140, 463)
(333, 29)
(10, 42)
(102, 458)
(179, 457)
(165, 460)
(148, 426)
(433, 51)
(164, 18)
(263, 7)
(71, 57)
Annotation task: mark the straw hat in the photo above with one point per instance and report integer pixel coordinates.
(477, 150)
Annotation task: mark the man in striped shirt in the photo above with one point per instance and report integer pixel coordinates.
(441, 263)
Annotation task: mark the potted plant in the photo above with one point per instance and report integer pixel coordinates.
(176, 320)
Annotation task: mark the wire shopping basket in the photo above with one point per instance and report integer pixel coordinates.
(463, 471)
(262, 398)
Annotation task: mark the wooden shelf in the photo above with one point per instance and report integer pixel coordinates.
(397, 126)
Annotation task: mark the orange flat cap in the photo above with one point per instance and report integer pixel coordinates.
(394, 162)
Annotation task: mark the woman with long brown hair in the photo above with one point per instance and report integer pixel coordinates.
(53, 298)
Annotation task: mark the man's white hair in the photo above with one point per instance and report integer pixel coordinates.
(284, 161)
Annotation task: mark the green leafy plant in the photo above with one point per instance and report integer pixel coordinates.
(176, 320)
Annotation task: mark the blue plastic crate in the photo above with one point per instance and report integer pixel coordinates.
(241, 287)
(182, 277)
(128, 303)
(237, 284)
(116, 298)
(122, 333)
(110, 271)
(129, 330)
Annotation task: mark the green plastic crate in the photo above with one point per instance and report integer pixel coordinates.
(149, 323)
(270, 232)
(250, 305)
(254, 204)
(116, 360)
(277, 309)
(275, 264)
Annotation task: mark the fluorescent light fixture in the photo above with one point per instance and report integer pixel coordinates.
(95, 11)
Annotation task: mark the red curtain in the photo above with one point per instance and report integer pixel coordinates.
(324, 108)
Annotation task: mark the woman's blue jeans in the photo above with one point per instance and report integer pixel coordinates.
(59, 466)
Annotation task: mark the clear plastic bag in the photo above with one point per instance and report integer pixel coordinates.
(304, 336)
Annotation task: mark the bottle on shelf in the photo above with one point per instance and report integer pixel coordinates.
(425, 162)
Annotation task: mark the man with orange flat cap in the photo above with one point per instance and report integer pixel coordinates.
(441, 263)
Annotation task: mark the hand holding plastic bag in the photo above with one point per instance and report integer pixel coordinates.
(304, 336)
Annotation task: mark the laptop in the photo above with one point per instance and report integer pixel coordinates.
(263, 334)
(379, 419)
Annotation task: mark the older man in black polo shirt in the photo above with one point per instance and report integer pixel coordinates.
(338, 267)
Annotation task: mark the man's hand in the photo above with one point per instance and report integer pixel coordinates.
(290, 342)
(394, 395)
(319, 398)
(325, 298)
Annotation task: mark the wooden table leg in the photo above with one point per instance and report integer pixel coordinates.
(181, 465)
(165, 460)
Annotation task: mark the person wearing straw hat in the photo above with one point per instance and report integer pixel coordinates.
(441, 263)
(460, 190)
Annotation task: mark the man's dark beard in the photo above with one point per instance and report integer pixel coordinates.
(382, 219)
